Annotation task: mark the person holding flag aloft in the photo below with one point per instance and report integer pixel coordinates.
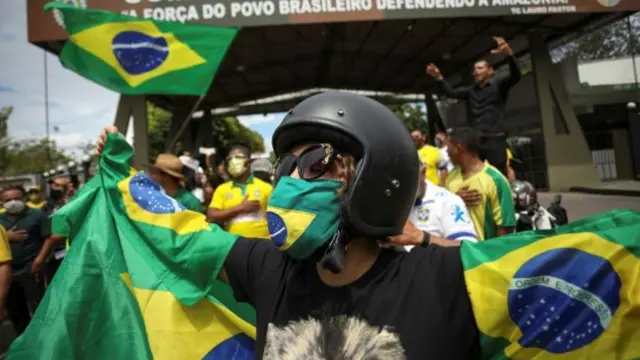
(340, 190)
(486, 100)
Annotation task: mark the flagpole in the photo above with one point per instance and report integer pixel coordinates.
(46, 107)
(186, 122)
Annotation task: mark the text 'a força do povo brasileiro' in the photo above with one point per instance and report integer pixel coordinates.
(189, 11)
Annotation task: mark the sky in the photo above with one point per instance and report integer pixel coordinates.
(77, 107)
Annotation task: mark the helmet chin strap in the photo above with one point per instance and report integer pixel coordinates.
(336, 252)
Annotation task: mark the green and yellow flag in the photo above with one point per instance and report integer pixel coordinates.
(134, 56)
(571, 293)
(139, 280)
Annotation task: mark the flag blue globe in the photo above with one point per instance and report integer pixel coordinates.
(567, 308)
(139, 53)
(151, 197)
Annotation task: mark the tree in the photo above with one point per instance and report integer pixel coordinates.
(32, 157)
(5, 113)
(159, 127)
(26, 156)
(615, 40)
(412, 115)
(226, 131)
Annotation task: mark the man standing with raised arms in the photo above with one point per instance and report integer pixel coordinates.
(486, 102)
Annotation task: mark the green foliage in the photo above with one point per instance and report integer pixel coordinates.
(226, 131)
(618, 39)
(412, 115)
(159, 126)
(26, 156)
(32, 157)
(5, 113)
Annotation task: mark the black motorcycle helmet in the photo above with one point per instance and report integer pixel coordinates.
(379, 200)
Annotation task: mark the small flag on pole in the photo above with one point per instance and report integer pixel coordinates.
(134, 56)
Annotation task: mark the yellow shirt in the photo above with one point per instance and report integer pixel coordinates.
(432, 157)
(495, 209)
(5, 248)
(38, 206)
(231, 194)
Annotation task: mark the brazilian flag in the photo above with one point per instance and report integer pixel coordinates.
(570, 293)
(140, 280)
(134, 56)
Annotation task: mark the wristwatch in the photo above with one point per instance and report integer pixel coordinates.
(426, 239)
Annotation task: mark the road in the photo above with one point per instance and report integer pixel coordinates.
(578, 206)
(583, 205)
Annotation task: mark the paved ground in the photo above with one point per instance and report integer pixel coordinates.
(582, 205)
(577, 205)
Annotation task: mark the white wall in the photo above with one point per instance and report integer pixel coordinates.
(609, 72)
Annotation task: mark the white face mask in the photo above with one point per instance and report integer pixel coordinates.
(14, 206)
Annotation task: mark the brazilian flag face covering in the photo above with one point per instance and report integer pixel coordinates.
(303, 215)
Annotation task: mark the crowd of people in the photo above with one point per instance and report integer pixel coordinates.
(456, 189)
(362, 195)
(29, 254)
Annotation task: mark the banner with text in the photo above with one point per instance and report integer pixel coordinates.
(44, 27)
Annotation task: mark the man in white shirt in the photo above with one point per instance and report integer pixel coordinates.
(441, 213)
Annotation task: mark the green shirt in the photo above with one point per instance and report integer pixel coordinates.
(188, 200)
(37, 225)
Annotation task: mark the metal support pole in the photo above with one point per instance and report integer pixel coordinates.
(634, 132)
(434, 120)
(632, 48)
(46, 108)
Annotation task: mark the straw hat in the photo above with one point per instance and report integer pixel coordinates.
(170, 165)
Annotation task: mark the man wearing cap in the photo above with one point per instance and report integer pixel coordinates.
(167, 172)
(240, 204)
(262, 169)
(35, 198)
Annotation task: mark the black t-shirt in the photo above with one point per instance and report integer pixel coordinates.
(420, 296)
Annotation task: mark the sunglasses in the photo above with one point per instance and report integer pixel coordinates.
(311, 164)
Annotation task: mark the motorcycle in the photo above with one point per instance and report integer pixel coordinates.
(530, 215)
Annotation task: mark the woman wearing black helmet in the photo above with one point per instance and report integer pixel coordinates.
(346, 179)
